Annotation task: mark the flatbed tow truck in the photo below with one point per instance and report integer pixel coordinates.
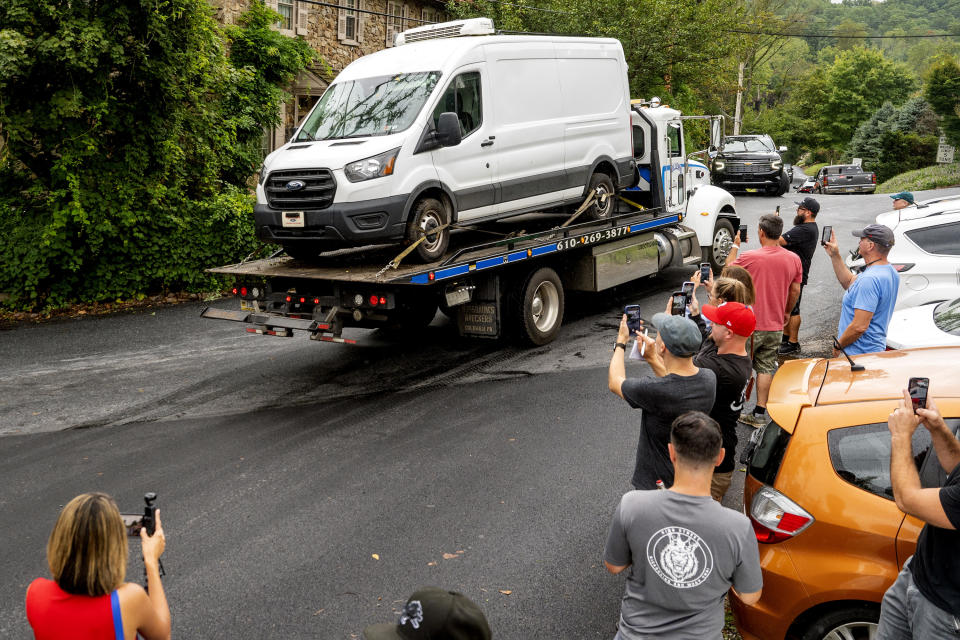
(514, 285)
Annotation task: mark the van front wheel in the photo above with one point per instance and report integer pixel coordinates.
(603, 208)
(426, 218)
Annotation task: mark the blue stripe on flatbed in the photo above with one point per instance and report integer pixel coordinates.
(490, 262)
(452, 271)
(517, 255)
(423, 278)
(550, 248)
(653, 223)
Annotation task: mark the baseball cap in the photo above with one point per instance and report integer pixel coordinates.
(432, 613)
(733, 315)
(680, 335)
(903, 195)
(876, 233)
(809, 204)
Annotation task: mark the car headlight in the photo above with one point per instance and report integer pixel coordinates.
(776, 164)
(372, 167)
(718, 165)
(263, 174)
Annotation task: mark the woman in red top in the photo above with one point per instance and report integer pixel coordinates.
(87, 598)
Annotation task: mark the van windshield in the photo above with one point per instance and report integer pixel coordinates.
(375, 106)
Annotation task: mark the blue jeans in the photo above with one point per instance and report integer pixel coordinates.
(906, 614)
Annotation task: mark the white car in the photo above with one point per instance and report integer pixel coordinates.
(926, 251)
(929, 325)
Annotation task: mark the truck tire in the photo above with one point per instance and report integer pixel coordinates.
(717, 252)
(427, 215)
(540, 311)
(602, 185)
(784, 185)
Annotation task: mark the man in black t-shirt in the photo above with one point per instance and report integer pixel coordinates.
(933, 572)
(724, 352)
(802, 240)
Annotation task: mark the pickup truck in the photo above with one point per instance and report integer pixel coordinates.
(751, 163)
(844, 178)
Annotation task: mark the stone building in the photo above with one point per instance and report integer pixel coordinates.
(340, 31)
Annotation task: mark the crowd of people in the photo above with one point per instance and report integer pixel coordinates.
(683, 549)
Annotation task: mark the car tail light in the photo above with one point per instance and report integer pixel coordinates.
(775, 517)
(873, 177)
(825, 181)
(903, 266)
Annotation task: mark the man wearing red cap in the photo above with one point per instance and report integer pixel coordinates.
(724, 351)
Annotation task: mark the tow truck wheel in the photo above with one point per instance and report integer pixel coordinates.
(602, 185)
(722, 241)
(541, 307)
(427, 216)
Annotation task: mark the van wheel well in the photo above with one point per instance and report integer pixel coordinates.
(438, 194)
(609, 169)
(811, 615)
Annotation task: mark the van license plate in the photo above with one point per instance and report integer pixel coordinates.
(292, 218)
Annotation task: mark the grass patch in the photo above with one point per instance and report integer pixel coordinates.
(813, 169)
(935, 177)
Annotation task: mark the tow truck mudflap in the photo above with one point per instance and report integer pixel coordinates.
(271, 325)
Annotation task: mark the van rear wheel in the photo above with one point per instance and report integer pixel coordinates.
(426, 218)
(603, 208)
(540, 307)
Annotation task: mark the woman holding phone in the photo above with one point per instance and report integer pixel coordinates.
(88, 598)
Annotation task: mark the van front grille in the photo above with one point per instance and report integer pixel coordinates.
(319, 187)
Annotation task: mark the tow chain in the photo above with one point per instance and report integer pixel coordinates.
(590, 199)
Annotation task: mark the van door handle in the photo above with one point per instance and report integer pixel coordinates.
(487, 143)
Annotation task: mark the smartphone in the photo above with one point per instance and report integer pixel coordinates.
(778, 209)
(743, 233)
(687, 289)
(918, 392)
(632, 312)
(132, 522)
(827, 232)
(704, 271)
(678, 304)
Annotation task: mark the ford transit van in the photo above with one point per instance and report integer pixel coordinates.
(454, 125)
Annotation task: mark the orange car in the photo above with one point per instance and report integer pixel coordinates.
(818, 492)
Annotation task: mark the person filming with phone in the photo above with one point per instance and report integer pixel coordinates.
(924, 601)
(88, 598)
(801, 239)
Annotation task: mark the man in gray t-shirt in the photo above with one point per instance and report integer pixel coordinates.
(686, 549)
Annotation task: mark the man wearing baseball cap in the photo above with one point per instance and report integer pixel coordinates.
(677, 386)
(870, 296)
(724, 351)
(432, 613)
(902, 200)
(802, 240)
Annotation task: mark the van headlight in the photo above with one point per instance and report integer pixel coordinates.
(776, 164)
(372, 167)
(262, 173)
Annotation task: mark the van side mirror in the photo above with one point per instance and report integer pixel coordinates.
(448, 129)
(782, 149)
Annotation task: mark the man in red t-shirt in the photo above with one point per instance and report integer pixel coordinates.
(777, 274)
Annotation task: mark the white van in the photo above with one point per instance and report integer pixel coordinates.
(454, 124)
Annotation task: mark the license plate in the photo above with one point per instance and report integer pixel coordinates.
(849, 189)
(247, 305)
(292, 218)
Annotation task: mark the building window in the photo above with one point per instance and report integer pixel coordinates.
(285, 9)
(396, 19)
(350, 22)
(428, 15)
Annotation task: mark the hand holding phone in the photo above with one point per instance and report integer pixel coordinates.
(743, 233)
(917, 387)
(704, 271)
(632, 311)
(827, 233)
(678, 304)
(687, 288)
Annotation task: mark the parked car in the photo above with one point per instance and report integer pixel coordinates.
(929, 325)
(750, 163)
(818, 492)
(806, 186)
(925, 252)
(845, 178)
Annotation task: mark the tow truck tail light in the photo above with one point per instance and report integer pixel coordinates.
(903, 266)
(374, 300)
(775, 517)
(288, 298)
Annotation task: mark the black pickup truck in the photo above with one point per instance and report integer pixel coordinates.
(750, 163)
(844, 178)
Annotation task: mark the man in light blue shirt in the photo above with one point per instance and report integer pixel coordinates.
(871, 296)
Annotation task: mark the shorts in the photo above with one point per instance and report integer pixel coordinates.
(766, 344)
(720, 483)
(796, 307)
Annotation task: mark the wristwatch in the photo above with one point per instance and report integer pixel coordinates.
(620, 344)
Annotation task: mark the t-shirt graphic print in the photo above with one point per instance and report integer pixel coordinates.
(680, 557)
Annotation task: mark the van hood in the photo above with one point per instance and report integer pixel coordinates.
(331, 154)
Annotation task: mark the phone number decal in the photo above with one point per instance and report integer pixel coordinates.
(597, 236)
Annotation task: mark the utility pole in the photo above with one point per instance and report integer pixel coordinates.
(737, 112)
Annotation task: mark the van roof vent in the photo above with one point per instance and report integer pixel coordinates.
(471, 27)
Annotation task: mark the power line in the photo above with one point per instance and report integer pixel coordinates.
(835, 35)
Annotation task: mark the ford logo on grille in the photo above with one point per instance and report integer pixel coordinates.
(295, 185)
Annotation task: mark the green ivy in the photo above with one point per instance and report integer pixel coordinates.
(129, 139)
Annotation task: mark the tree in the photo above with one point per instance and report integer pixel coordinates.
(943, 93)
(129, 142)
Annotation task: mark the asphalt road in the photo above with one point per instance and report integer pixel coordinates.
(307, 489)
